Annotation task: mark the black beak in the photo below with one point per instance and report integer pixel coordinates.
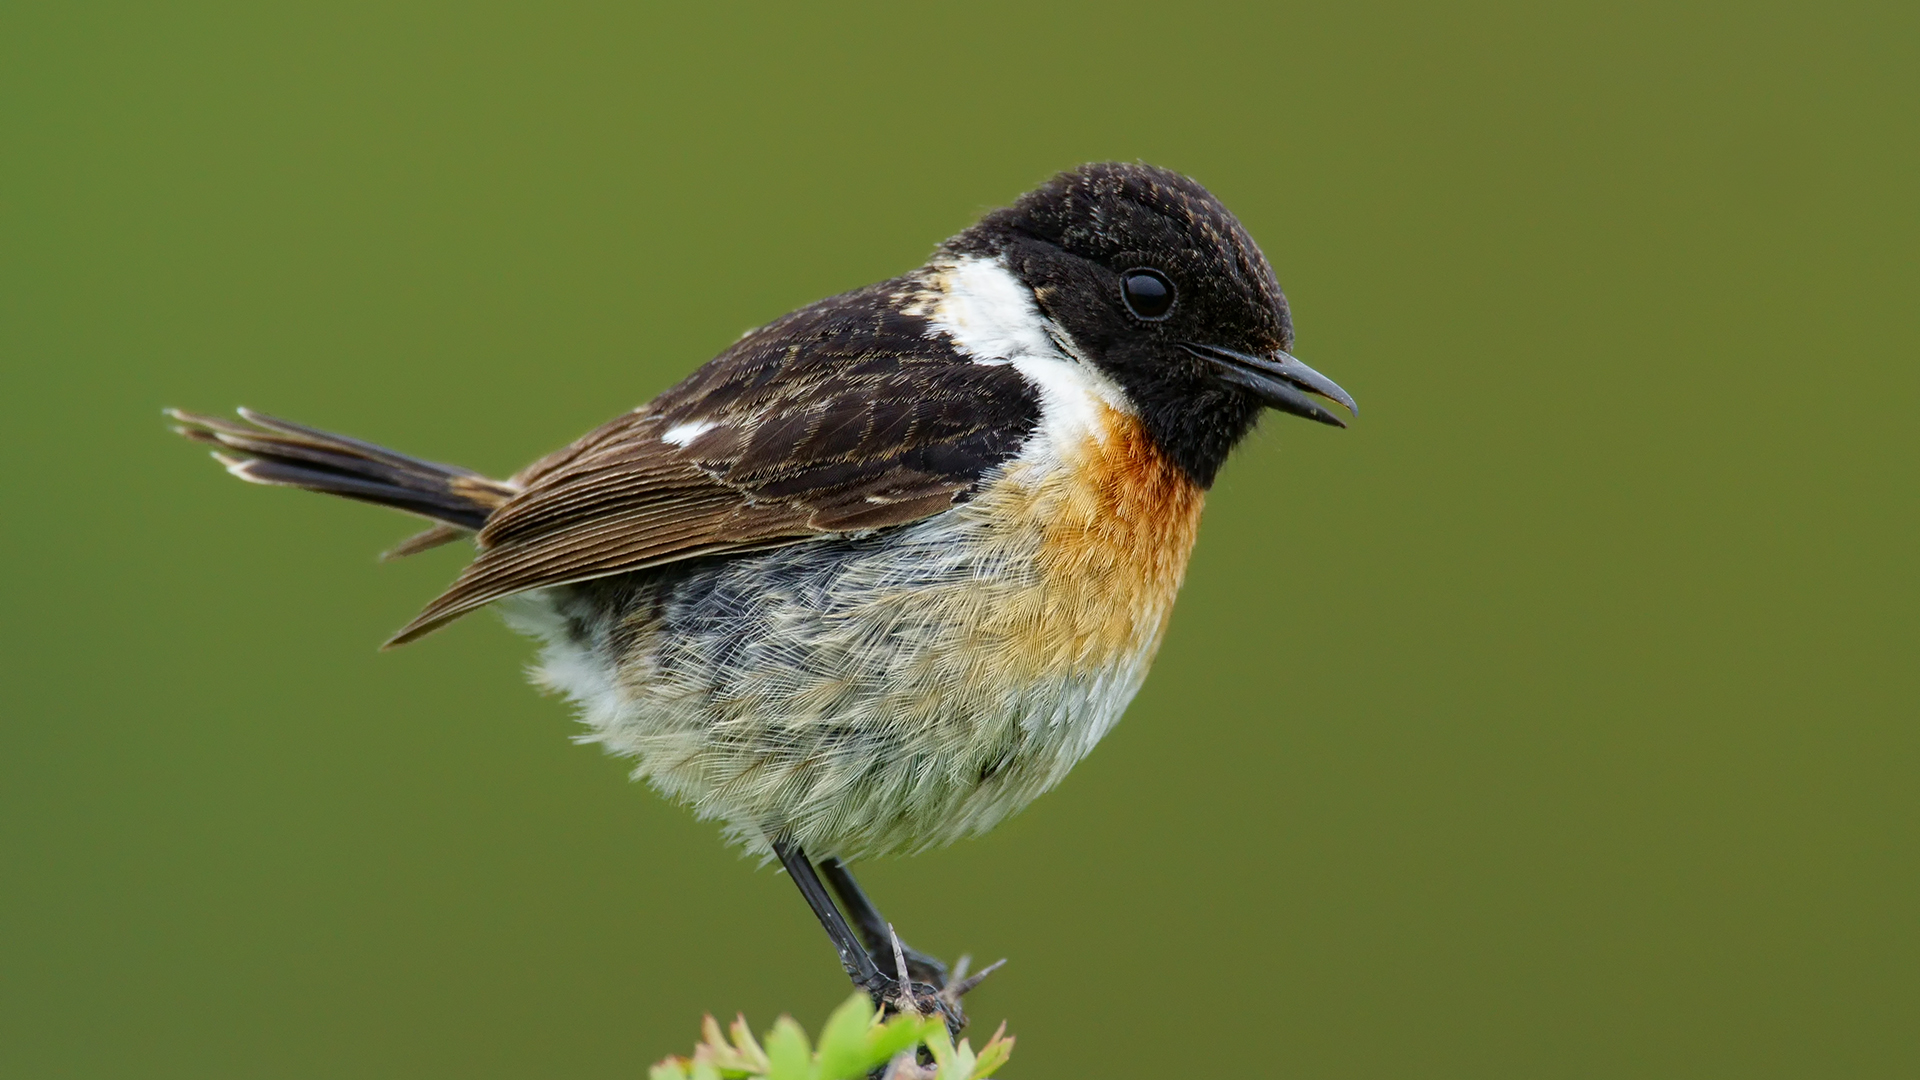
(1278, 380)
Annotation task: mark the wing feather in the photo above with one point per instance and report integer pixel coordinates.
(845, 416)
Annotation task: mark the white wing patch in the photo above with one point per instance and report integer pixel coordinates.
(682, 434)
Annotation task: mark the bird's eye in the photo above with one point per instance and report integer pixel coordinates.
(1148, 293)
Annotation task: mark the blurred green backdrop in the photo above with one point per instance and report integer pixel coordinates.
(1552, 722)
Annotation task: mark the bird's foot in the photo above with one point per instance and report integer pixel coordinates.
(895, 998)
(921, 986)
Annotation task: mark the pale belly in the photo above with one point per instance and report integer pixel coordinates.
(880, 694)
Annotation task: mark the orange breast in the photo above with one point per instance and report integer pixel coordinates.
(1114, 522)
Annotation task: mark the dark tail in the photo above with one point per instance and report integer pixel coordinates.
(267, 450)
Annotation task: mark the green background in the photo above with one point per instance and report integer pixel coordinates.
(1555, 721)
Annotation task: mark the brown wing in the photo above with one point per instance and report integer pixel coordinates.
(841, 417)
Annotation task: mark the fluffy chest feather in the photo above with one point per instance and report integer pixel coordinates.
(1108, 525)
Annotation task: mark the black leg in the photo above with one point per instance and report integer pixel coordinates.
(876, 970)
(873, 929)
(855, 958)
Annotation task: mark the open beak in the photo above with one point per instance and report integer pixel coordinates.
(1278, 381)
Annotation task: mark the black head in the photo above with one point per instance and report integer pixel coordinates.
(1161, 286)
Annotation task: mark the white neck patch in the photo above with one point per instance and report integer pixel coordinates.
(988, 313)
(991, 318)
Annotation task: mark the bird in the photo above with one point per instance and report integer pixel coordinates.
(881, 572)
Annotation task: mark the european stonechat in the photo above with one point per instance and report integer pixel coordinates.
(881, 572)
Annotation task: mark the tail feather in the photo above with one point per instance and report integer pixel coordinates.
(432, 537)
(268, 450)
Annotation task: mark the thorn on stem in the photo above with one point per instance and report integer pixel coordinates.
(900, 968)
(959, 987)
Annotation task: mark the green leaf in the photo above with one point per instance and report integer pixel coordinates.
(962, 1064)
(670, 1069)
(844, 1053)
(852, 1044)
(994, 1054)
(750, 1054)
(788, 1055)
(940, 1045)
(897, 1034)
